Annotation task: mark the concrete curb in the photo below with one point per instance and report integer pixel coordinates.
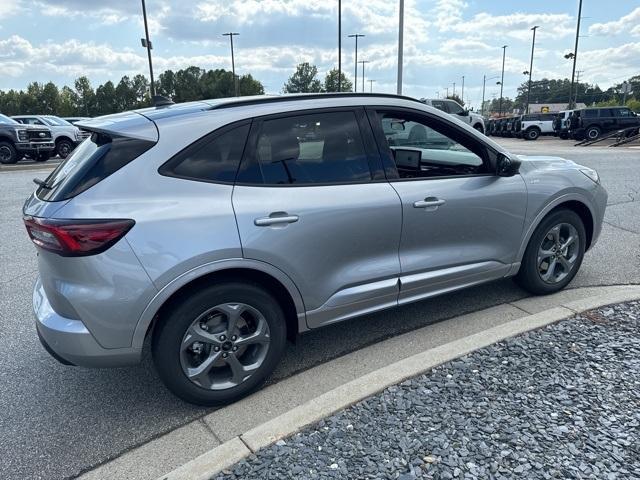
(292, 421)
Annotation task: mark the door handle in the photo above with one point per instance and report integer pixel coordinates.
(429, 203)
(275, 219)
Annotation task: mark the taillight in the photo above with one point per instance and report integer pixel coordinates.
(76, 238)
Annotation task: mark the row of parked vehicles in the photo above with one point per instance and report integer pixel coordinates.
(580, 124)
(38, 137)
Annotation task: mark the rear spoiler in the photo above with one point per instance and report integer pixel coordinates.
(126, 124)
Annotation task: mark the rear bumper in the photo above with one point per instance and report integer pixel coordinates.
(69, 341)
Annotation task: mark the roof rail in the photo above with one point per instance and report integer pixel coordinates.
(243, 101)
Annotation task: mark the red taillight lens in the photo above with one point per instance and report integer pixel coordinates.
(75, 238)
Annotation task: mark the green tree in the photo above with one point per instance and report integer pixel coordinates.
(106, 98)
(86, 96)
(303, 80)
(125, 95)
(456, 98)
(331, 82)
(68, 102)
(50, 99)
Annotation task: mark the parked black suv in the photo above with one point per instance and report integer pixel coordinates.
(590, 123)
(17, 141)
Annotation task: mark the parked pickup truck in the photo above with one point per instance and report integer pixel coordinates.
(454, 108)
(17, 141)
(65, 135)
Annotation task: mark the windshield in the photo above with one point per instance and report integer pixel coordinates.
(7, 121)
(57, 121)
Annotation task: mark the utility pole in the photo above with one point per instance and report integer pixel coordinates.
(462, 94)
(355, 82)
(504, 51)
(147, 43)
(575, 97)
(533, 45)
(400, 45)
(371, 86)
(339, 45)
(447, 92)
(454, 89)
(363, 62)
(484, 81)
(575, 53)
(233, 62)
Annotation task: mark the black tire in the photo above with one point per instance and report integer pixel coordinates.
(64, 147)
(478, 127)
(42, 157)
(529, 277)
(592, 133)
(532, 134)
(8, 153)
(172, 326)
(564, 136)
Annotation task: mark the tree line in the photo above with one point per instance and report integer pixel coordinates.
(192, 83)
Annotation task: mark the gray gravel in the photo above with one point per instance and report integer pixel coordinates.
(561, 402)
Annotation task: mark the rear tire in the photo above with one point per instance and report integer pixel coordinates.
(532, 134)
(179, 362)
(539, 251)
(592, 133)
(8, 153)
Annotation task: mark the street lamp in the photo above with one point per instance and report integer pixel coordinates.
(575, 53)
(400, 45)
(504, 51)
(339, 45)
(484, 81)
(371, 85)
(233, 63)
(355, 82)
(363, 62)
(462, 93)
(533, 46)
(147, 44)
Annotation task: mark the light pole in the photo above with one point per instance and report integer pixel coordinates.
(454, 89)
(504, 51)
(484, 81)
(371, 86)
(355, 82)
(400, 45)
(533, 46)
(339, 45)
(233, 62)
(462, 94)
(147, 43)
(363, 62)
(575, 54)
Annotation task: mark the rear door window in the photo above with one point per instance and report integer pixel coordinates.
(94, 160)
(590, 114)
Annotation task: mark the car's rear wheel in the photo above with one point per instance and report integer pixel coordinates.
(532, 134)
(554, 254)
(593, 133)
(220, 343)
(8, 153)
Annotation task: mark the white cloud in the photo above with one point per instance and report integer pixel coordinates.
(629, 22)
(9, 7)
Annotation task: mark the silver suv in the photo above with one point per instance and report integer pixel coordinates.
(220, 229)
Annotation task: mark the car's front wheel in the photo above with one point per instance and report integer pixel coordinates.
(554, 253)
(220, 343)
(63, 148)
(532, 134)
(8, 153)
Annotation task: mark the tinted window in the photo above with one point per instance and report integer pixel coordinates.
(420, 150)
(439, 104)
(214, 158)
(589, 113)
(454, 108)
(531, 118)
(622, 112)
(94, 160)
(547, 117)
(316, 148)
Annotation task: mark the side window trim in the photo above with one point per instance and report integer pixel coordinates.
(250, 174)
(373, 112)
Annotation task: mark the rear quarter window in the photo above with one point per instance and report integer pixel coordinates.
(213, 158)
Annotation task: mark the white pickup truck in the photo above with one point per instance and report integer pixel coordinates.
(454, 108)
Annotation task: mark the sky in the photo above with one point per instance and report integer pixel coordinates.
(59, 40)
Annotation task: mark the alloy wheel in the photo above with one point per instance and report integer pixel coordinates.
(224, 346)
(558, 253)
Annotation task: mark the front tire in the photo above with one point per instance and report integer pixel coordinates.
(554, 253)
(8, 153)
(479, 128)
(220, 343)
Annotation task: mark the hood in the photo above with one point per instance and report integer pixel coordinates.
(544, 162)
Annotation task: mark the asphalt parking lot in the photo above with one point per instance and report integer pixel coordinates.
(58, 421)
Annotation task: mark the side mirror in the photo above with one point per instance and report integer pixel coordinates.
(507, 167)
(464, 113)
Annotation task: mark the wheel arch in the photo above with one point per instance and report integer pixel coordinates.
(61, 138)
(267, 276)
(572, 202)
